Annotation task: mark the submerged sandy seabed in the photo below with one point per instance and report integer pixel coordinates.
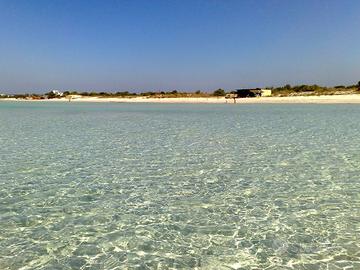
(294, 99)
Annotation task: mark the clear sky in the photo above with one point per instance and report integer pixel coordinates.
(185, 45)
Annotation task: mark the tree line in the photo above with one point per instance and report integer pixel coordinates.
(285, 90)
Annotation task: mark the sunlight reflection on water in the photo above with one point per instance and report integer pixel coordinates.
(156, 186)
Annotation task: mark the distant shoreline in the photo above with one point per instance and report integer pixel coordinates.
(324, 99)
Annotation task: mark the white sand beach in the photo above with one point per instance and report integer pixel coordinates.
(326, 99)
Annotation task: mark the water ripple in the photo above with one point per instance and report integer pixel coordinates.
(145, 186)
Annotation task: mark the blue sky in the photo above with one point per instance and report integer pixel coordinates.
(184, 45)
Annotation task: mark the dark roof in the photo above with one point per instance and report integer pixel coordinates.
(247, 89)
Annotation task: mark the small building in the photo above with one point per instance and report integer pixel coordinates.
(266, 92)
(54, 94)
(231, 95)
(254, 92)
(57, 93)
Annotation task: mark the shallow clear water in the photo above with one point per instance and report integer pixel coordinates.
(155, 186)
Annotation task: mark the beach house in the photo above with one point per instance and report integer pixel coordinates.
(252, 92)
(57, 93)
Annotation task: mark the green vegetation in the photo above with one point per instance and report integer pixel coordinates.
(127, 94)
(51, 95)
(306, 90)
(286, 90)
(219, 93)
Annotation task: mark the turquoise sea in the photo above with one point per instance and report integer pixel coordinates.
(171, 186)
